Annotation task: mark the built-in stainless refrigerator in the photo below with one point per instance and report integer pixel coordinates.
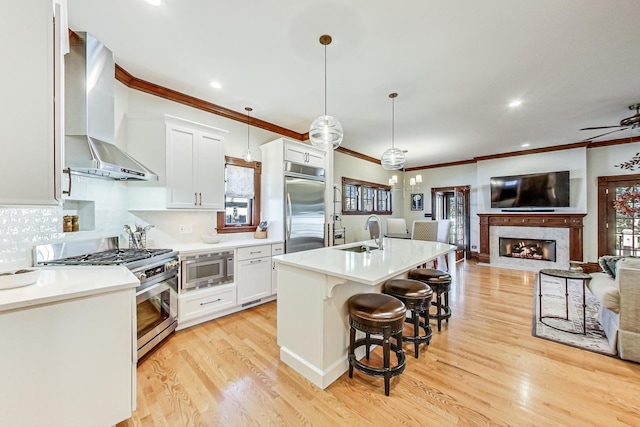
(304, 191)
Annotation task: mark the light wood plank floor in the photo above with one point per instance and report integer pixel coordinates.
(484, 368)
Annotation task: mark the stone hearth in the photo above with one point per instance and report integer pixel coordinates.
(564, 228)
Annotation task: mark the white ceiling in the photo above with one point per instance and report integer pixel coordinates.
(456, 65)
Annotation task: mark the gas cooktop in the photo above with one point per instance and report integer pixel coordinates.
(109, 257)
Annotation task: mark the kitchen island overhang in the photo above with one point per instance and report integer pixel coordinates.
(313, 287)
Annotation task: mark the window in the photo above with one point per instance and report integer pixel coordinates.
(242, 196)
(364, 198)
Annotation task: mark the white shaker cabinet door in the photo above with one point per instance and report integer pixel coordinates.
(181, 175)
(253, 279)
(210, 172)
(27, 167)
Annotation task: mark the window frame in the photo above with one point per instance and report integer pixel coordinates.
(221, 226)
(375, 187)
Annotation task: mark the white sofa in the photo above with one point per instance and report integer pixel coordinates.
(619, 312)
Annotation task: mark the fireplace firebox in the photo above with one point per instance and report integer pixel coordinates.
(540, 250)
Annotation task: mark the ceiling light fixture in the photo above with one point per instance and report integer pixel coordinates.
(215, 85)
(515, 103)
(154, 2)
(393, 158)
(247, 154)
(325, 131)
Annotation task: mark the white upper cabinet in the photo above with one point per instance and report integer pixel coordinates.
(188, 158)
(195, 169)
(27, 167)
(303, 154)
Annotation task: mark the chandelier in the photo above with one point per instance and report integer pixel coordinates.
(325, 131)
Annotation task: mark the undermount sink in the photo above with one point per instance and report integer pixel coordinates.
(360, 249)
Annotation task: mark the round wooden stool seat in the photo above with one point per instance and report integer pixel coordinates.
(440, 282)
(416, 296)
(377, 314)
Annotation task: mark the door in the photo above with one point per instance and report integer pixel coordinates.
(618, 231)
(209, 164)
(181, 179)
(453, 203)
(304, 214)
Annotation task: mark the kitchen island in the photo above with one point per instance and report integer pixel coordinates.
(313, 287)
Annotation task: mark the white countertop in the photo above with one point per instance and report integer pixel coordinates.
(371, 268)
(203, 248)
(63, 283)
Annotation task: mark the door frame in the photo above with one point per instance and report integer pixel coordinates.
(463, 250)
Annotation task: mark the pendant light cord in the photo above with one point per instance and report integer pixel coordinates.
(393, 121)
(248, 126)
(325, 79)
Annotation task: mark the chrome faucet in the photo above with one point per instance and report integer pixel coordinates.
(378, 239)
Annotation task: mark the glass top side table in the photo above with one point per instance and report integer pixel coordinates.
(566, 275)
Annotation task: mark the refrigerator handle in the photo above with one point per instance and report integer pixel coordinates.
(290, 216)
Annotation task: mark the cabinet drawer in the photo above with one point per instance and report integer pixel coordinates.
(194, 304)
(254, 252)
(277, 249)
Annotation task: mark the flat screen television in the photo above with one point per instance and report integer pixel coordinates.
(535, 190)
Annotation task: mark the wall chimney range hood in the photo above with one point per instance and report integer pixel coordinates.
(90, 114)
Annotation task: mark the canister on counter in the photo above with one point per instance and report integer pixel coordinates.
(67, 224)
(75, 225)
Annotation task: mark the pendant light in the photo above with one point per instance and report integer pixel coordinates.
(325, 131)
(393, 158)
(247, 154)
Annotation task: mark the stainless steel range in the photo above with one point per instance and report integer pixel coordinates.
(156, 269)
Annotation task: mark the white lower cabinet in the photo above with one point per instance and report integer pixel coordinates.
(254, 282)
(201, 302)
(276, 249)
(253, 278)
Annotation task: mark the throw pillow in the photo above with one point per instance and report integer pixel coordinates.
(608, 264)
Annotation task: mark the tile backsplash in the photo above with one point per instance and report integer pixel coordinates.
(22, 227)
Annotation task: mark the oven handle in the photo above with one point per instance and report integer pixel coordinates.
(152, 291)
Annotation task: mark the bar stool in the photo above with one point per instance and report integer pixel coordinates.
(440, 282)
(416, 296)
(376, 314)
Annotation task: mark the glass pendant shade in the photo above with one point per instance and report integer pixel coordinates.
(326, 132)
(392, 159)
(246, 156)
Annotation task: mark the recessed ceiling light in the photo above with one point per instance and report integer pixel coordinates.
(525, 145)
(515, 103)
(215, 85)
(154, 2)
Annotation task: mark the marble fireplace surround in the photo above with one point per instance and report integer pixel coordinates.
(564, 228)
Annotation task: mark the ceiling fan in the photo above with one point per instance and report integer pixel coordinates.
(629, 122)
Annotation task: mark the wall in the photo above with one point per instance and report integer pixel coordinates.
(445, 177)
(601, 162)
(166, 222)
(352, 167)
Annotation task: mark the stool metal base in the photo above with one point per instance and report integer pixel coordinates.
(386, 371)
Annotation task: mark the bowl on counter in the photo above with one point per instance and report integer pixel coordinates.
(211, 238)
(18, 278)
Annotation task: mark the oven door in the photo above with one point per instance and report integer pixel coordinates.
(156, 307)
(203, 271)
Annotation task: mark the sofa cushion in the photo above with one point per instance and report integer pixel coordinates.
(605, 289)
(608, 264)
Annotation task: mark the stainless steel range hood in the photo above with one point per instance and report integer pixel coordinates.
(89, 114)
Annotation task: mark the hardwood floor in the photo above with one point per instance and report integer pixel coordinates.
(484, 368)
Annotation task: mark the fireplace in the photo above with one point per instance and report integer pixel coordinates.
(537, 249)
